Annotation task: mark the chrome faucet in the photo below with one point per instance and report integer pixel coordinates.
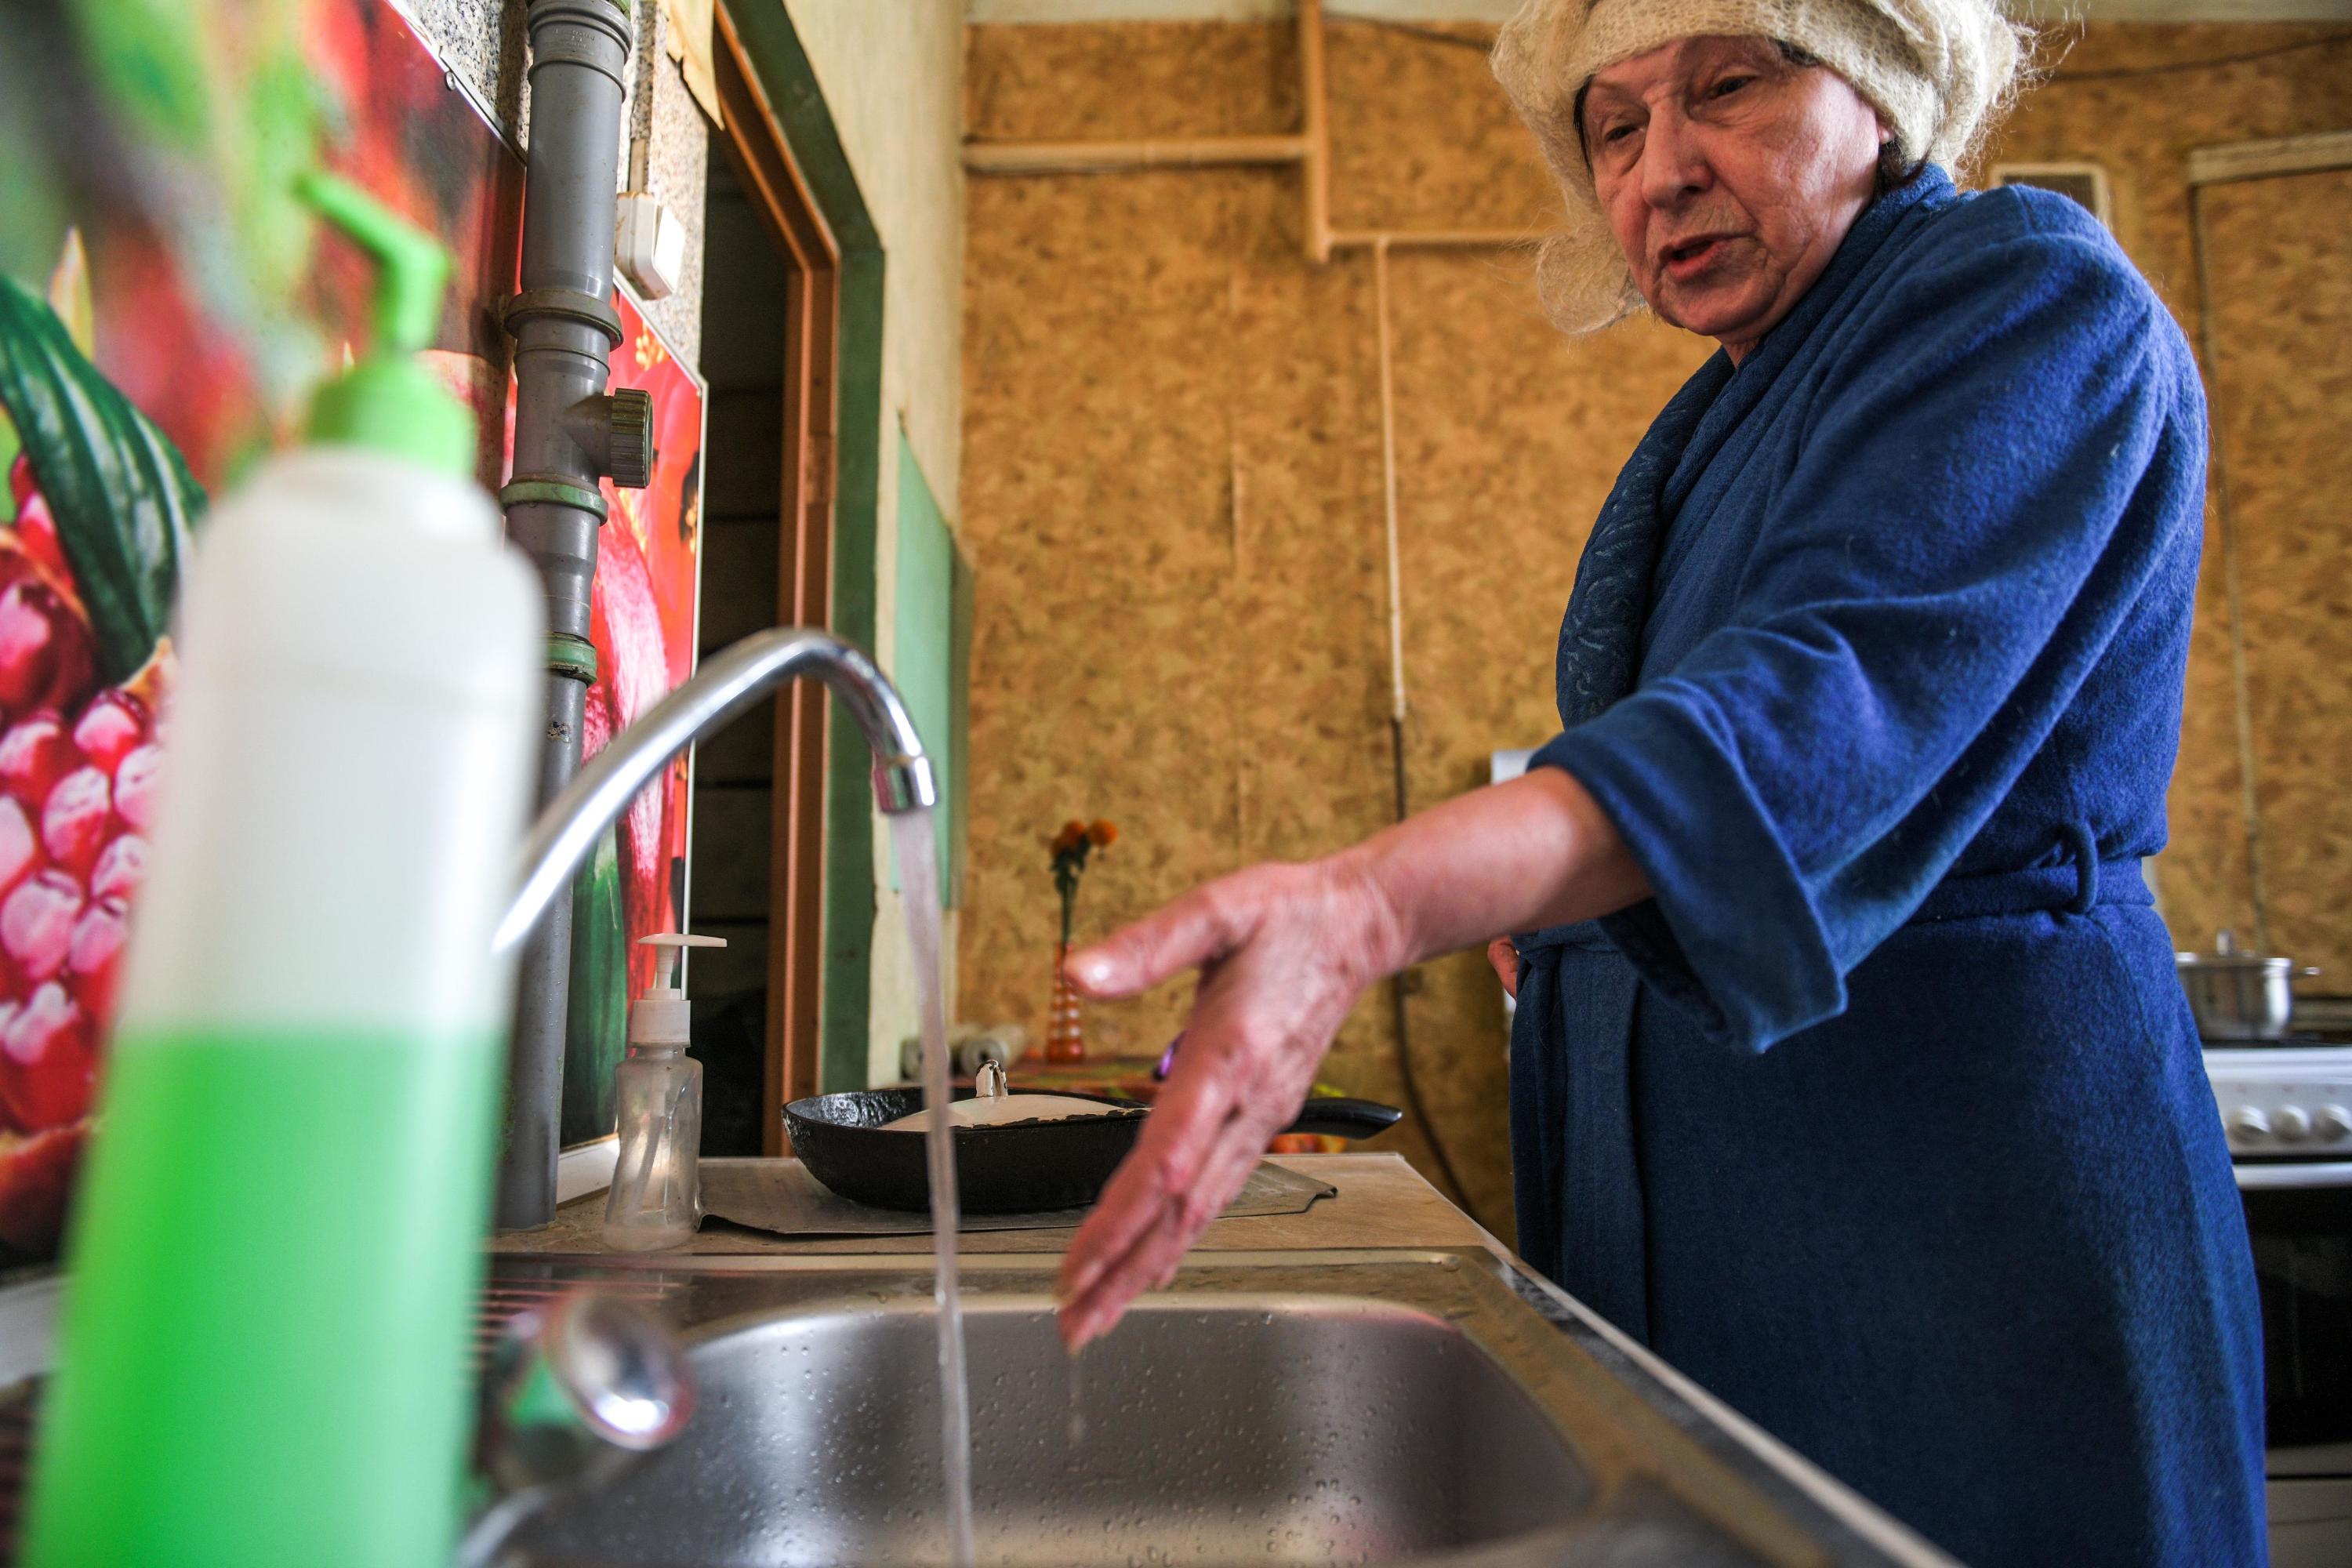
(568, 829)
(728, 683)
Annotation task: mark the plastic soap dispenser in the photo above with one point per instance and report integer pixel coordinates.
(277, 1249)
(656, 1197)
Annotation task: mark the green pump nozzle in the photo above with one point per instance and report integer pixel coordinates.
(389, 402)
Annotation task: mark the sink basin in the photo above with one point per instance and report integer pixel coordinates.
(1284, 1430)
(1278, 1409)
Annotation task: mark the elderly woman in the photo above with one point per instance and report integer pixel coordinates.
(1850, 1073)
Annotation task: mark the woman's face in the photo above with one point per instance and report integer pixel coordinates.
(1729, 176)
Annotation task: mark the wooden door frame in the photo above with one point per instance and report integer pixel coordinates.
(822, 871)
(753, 144)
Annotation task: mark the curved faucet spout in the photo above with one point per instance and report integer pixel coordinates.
(729, 682)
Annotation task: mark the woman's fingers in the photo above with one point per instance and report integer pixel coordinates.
(1282, 951)
(1184, 1123)
(1195, 929)
(1087, 1316)
(1196, 1150)
(1158, 1250)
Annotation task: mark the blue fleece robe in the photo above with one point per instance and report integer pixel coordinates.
(1885, 1117)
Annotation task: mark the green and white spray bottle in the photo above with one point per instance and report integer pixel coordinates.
(273, 1265)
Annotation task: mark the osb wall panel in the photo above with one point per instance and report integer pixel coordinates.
(1083, 83)
(2141, 127)
(2281, 253)
(1173, 503)
(1175, 627)
(1172, 480)
(1421, 138)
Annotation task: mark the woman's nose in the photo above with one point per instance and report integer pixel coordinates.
(1673, 164)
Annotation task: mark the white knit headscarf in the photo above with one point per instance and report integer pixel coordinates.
(1937, 71)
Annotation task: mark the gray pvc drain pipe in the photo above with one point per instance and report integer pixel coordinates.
(568, 434)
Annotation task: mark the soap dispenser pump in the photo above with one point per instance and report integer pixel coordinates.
(656, 1197)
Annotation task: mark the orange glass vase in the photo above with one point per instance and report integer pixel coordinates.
(1065, 1037)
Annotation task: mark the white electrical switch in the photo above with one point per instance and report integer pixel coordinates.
(648, 245)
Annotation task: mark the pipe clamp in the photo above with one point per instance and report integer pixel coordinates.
(553, 492)
(572, 657)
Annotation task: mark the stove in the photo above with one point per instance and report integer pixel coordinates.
(2287, 1107)
(2291, 1103)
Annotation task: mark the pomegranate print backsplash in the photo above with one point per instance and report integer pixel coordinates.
(100, 505)
(77, 763)
(166, 308)
(641, 620)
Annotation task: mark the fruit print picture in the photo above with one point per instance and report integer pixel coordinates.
(641, 618)
(165, 308)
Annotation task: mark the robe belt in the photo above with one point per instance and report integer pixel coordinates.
(2076, 884)
(2077, 888)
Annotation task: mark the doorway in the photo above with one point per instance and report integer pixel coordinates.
(770, 331)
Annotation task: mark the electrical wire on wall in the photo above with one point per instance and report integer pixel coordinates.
(1399, 985)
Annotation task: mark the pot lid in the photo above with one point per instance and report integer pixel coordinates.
(2228, 954)
(1002, 1110)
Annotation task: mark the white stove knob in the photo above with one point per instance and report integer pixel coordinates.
(2248, 1121)
(2292, 1123)
(2334, 1123)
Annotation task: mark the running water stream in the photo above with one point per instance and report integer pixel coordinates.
(911, 834)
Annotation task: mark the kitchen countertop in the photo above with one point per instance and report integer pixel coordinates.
(1381, 1203)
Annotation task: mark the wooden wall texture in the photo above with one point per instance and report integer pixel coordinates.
(2283, 416)
(1172, 478)
(2281, 271)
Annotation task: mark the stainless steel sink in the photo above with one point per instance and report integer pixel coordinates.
(1271, 1409)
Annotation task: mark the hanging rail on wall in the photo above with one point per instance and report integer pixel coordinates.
(1111, 157)
(1309, 147)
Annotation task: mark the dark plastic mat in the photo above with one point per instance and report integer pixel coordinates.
(781, 1197)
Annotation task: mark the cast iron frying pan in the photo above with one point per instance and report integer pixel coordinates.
(1020, 1168)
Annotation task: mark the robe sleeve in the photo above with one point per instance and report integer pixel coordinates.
(1974, 507)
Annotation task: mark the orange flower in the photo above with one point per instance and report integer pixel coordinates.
(1103, 834)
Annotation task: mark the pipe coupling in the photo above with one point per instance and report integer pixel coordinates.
(566, 32)
(566, 304)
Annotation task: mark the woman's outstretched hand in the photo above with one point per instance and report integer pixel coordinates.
(1283, 952)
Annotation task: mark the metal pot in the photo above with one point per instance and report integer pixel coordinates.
(2239, 995)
